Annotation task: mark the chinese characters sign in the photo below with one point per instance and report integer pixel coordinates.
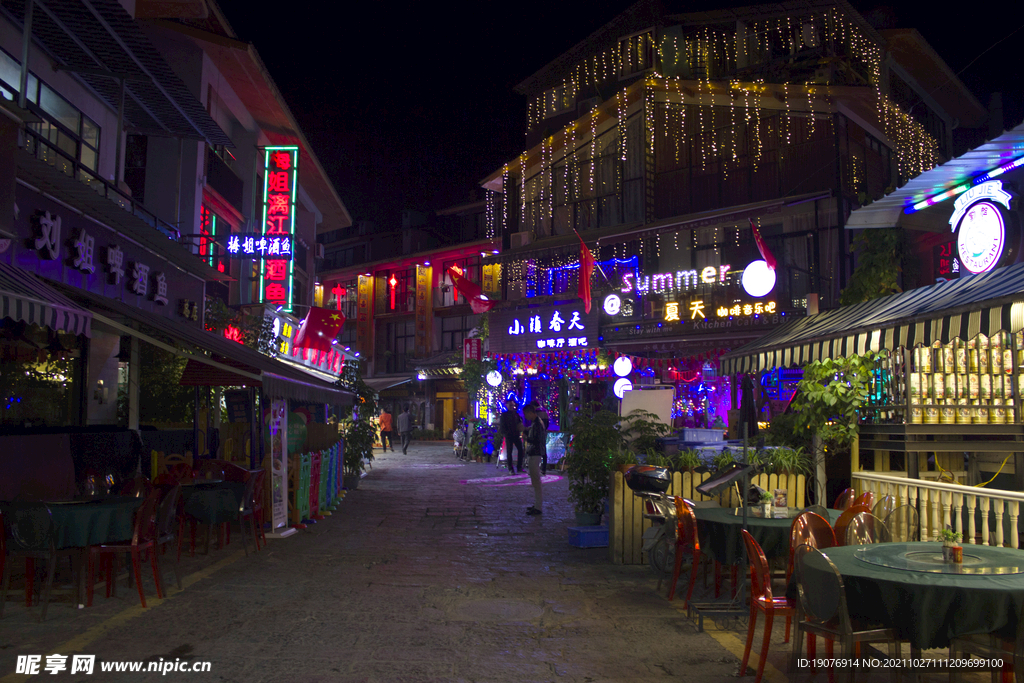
(548, 329)
(424, 310)
(280, 187)
(252, 246)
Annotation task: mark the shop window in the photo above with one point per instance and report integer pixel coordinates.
(40, 372)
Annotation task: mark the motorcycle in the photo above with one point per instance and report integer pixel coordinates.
(659, 541)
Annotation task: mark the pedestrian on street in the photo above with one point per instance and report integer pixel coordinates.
(385, 431)
(512, 429)
(536, 445)
(405, 427)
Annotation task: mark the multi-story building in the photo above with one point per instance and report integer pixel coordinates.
(404, 316)
(151, 166)
(660, 140)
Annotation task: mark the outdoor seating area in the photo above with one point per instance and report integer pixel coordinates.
(854, 574)
(133, 529)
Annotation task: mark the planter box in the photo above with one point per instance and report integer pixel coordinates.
(691, 434)
(626, 523)
(588, 536)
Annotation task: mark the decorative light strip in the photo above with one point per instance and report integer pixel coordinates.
(959, 189)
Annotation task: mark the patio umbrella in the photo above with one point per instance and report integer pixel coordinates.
(748, 410)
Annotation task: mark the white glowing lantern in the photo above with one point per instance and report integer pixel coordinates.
(622, 366)
(612, 304)
(621, 386)
(758, 279)
(494, 378)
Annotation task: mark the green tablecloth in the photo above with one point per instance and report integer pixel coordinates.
(927, 609)
(213, 503)
(82, 524)
(719, 530)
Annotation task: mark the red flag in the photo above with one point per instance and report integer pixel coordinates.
(761, 246)
(319, 329)
(478, 301)
(586, 270)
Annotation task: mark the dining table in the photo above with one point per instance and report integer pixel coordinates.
(212, 501)
(719, 531)
(929, 602)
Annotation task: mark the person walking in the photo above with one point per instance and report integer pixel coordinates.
(536, 445)
(405, 427)
(511, 426)
(385, 431)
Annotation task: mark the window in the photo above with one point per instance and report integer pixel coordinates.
(400, 291)
(342, 296)
(636, 53)
(399, 347)
(67, 129)
(558, 101)
(470, 269)
(40, 374)
(454, 330)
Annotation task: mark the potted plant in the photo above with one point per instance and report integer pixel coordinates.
(952, 551)
(766, 504)
(359, 435)
(642, 429)
(621, 458)
(686, 461)
(588, 465)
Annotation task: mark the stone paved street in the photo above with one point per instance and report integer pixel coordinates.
(416, 577)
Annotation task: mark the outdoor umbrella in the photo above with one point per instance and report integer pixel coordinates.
(748, 411)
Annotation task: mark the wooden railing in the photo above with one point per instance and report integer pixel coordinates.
(626, 523)
(983, 516)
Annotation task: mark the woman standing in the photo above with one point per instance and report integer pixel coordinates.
(536, 447)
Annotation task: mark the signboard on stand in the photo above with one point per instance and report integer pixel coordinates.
(472, 349)
(278, 428)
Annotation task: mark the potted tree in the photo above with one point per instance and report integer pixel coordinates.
(359, 435)
(588, 465)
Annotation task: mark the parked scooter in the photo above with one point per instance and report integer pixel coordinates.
(650, 483)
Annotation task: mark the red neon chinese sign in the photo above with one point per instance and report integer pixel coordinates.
(280, 188)
(234, 334)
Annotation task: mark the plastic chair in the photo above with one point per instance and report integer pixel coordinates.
(686, 536)
(252, 509)
(866, 498)
(245, 512)
(904, 524)
(991, 646)
(761, 600)
(211, 469)
(819, 510)
(844, 499)
(233, 472)
(883, 506)
(169, 527)
(29, 532)
(811, 529)
(143, 538)
(137, 487)
(844, 521)
(822, 610)
(864, 528)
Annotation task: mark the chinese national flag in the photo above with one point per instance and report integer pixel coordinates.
(478, 301)
(319, 329)
(586, 270)
(761, 246)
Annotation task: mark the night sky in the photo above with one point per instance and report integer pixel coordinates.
(409, 106)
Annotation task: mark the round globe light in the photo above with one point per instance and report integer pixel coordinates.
(612, 304)
(622, 366)
(758, 279)
(494, 378)
(621, 386)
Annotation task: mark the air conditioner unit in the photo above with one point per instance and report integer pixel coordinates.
(319, 251)
(521, 239)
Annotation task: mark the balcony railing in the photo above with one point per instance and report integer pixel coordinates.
(45, 151)
(983, 516)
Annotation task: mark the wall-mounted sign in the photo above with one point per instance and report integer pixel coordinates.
(981, 230)
(280, 188)
(668, 283)
(542, 329)
(612, 304)
(472, 349)
(621, 386)
(256, 246)
(758, 279)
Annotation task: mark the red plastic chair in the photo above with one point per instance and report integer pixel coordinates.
(866, 498)
(137, 487)
(811, 529)
(761, 600)
(844, 521)
(844, 499)
(686, 535)
(252, 510)
(143, 538)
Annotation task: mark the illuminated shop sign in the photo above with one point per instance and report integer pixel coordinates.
(698, 309)
(552, 333)
(280, 187)
(548, 329)
(668, 283)
(255, 246)
(981, 231)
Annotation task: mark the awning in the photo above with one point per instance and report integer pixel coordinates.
(26, 298)
(379, 384)
(961, 309)
(235, 363)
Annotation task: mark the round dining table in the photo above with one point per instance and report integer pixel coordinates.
(719, 531)
(907, 586)
(84, 523)
(212, 502)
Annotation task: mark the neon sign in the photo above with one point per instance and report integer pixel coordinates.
(542, 325)
(257, 246)
(982, 232)
(680, 281)
(280, 188)
(745, 309)
(992, 191)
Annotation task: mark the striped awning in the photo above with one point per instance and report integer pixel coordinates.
(961, 309)
(26, 298)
